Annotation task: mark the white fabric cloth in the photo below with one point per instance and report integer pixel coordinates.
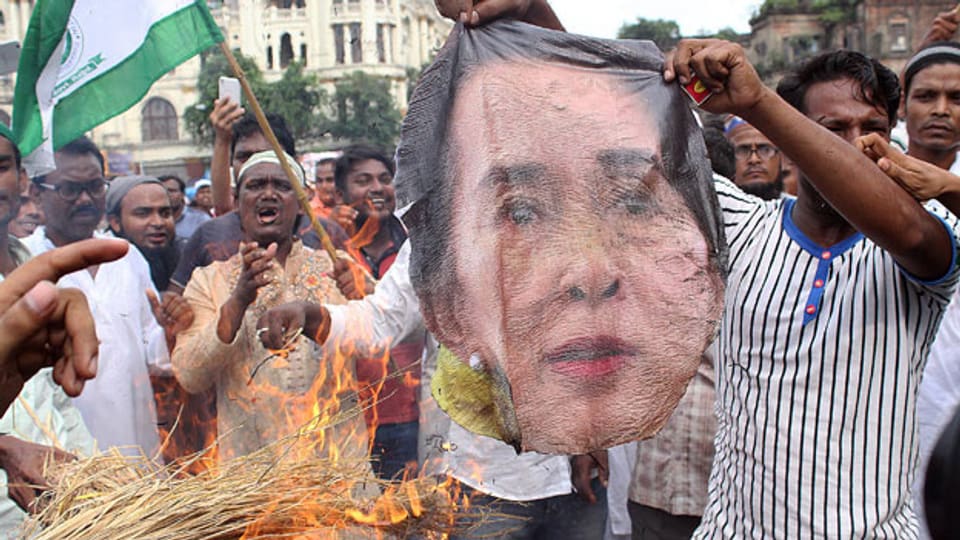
(391, 313)
(955, 166)
(621, 460)
(939, 391)
(118, 406)
(821, 351)
(41, 414)
(939, 396)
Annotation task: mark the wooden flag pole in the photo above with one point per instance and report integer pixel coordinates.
(275, 144)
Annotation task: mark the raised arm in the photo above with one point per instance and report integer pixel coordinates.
(857, 189)
(225, 113)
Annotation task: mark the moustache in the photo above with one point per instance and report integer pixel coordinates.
(85, 208)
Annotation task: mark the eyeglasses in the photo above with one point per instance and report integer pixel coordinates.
(70, 191)
(764, 151)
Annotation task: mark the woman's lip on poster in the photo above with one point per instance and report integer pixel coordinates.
(590, 357)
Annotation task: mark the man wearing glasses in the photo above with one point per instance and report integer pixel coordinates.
(117, 406)
(759, 164)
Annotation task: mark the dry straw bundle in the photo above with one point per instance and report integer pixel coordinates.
(273, 493)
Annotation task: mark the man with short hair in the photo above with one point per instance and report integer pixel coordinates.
(324, 187)
(759, 168)
(363, 176)
(187, 219)
(222, 350)
(139, 210)
(202, 200)
(831, 301)
(931, 83)
(24, 443)
(219, 238)
(135, 332)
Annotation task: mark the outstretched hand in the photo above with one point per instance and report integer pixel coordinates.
(173, 313)
(352, 280)
(921, 179)
(276, 324)
(257, 262)
(42, 326)
(24, 463)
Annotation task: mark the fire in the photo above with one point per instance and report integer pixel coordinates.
(318, 417)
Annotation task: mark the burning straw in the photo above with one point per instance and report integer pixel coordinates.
(272, 493)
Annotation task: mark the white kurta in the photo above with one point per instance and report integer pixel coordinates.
(117, 406)
(41, 414)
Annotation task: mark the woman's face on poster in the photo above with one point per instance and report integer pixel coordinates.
(582, 274)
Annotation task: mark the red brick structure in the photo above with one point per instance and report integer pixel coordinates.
(785, 32)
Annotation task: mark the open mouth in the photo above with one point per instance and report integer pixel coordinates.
(590, 357)
(378, 202)
(268, 215)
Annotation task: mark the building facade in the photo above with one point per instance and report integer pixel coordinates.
(786, 32)
(332, 38)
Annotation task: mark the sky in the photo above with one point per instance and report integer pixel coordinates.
(602, 18)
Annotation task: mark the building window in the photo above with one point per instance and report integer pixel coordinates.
(158, 121)
(286, 50)
(356, 45)
(287, 4)
(303, 54)
(269, 56)
(381, 44)
(338, 44)
(898, 36)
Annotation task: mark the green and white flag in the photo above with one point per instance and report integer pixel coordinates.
(86, 61)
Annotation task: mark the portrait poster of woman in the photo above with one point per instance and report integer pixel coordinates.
(567, 246)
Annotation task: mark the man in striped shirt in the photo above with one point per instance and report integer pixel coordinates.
(832, 302)
(833, 299)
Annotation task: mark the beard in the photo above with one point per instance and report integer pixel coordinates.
(162, 260)
(767, 191)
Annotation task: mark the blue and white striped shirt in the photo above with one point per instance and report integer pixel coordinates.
(820, 356)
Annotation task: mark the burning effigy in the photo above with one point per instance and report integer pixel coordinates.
(567, 247)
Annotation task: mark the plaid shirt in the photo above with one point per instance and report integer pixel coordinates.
(673, 468)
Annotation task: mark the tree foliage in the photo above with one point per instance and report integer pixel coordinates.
(364, 110)
(727, 33)
(295, 96)
(664, 33)
(299, 100)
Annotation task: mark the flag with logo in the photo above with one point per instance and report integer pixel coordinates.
(86, 61)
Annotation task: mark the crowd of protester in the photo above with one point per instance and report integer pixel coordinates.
(816, 412)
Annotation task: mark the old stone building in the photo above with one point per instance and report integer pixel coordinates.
(786, 31)
(331, 37)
